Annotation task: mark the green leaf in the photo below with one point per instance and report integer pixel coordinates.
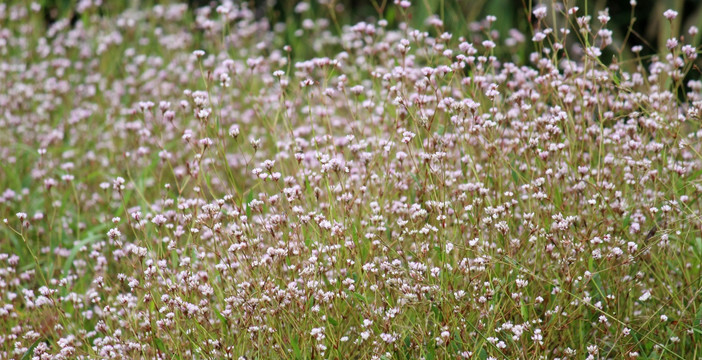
(694, 175)
(249, 197)
(360, 297)
(431, 350)
(220, 316)
(515, 177)
(437, 313)
(87, 240)
(483, 354)
(332, 321)
(28, 354)
(159, 345)
(295, 342)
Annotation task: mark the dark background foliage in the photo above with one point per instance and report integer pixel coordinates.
(643, 26)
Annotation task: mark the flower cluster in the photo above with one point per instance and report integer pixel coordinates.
(178, 184)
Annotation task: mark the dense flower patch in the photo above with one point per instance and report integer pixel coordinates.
(176, 184)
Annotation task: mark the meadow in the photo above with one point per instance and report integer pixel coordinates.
(202, 182)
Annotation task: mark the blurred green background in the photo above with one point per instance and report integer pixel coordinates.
(649, 28)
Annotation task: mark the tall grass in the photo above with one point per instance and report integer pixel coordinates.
(186, 183)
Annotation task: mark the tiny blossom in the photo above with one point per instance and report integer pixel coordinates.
(234, 131)
(690, 52)
(176, 172)
(540, 12)
(671, 43)
(403, 3)
(603, 17)
(489, 44)
(670, 14)
(593, 52)
(159, 220)
(114, 234)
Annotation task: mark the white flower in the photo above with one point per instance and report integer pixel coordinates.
(670, 14)
(540, 12)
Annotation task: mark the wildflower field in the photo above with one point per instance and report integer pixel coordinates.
(184, 182)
